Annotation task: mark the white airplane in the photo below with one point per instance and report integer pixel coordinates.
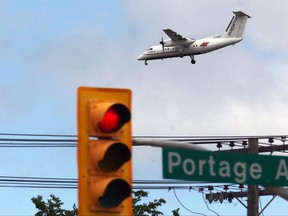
(179, 46)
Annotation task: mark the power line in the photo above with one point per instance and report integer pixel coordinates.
(185, 206)
(208, 206)
(72, 183)
(269, 143)
(37, 135)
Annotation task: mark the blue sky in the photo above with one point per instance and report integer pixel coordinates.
(49, 48)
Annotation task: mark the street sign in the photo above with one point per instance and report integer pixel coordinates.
(224, 167)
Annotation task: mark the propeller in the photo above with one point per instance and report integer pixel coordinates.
(162, 43)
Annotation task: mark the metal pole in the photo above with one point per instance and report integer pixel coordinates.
(167, 144)
(253, 192)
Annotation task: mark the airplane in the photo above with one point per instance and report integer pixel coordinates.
(179, 46)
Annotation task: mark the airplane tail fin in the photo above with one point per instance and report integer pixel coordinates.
(236, 26)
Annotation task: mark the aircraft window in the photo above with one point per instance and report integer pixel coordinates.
(150, 48)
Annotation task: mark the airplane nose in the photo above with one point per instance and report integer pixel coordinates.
(140, 57)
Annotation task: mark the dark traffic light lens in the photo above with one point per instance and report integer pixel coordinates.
(116, 191)
(114, 158)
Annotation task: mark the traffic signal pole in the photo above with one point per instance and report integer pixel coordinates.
(167, 144)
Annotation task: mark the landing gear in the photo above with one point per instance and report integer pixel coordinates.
(181, 53)
(146, 62)
(192, 59)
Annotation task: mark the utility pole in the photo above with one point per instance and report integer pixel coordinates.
(253, 192)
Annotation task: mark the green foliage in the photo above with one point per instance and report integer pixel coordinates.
(144, 209)
(52, 207)
(176, 212)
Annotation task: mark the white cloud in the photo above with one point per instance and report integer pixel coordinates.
(172, 96)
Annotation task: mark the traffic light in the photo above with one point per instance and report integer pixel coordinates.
(104, 151)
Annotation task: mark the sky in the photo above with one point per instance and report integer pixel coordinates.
(49, 48)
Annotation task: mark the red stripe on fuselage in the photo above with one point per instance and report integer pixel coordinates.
(204, 44)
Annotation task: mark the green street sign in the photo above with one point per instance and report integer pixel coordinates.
(224, 167)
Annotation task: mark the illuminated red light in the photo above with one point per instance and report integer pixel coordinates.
(110, 122)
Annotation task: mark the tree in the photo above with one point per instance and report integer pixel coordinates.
(145, 209)
(176, 212)
(52, 207)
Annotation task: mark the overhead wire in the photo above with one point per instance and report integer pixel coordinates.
(208, 206)
(37, 135)
(198, 213)
(21, 140)
(72, 183)
(38, 182)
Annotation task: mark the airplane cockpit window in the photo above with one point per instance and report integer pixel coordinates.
(150, 49)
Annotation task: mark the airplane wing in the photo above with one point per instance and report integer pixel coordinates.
(174, 35)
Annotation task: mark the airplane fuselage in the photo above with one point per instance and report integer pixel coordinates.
(197, 47)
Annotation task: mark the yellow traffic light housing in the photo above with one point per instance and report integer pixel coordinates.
(104, 151)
